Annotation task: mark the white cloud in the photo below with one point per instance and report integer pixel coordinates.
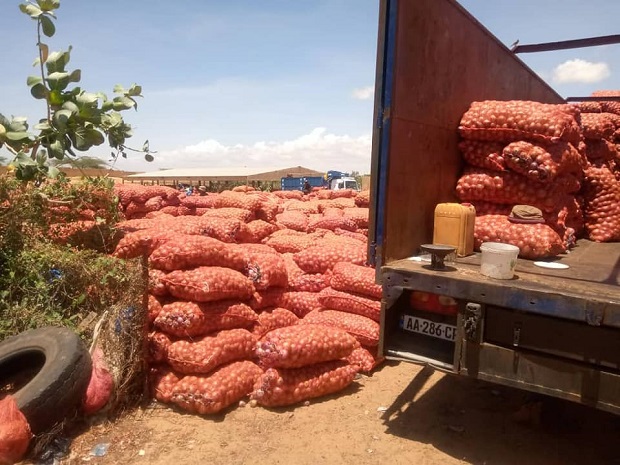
(319, 150)
(581, 71)
(363, 93)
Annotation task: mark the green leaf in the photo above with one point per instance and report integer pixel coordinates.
(39, 91)
(16, 136)
(148, 157)
(61, 118)
(86, 98)
(32, 80)
(145, 146)
(45, 51)
(48, 5)
(56, 150)
(47, 25)
(41, 156)
(58, 80)
(56, 61)
(135, 91)
(75, 75)
(23, 159)
(44, 125)
(18, 124)
(71, 106)
(123, 103)
(53, 172)
(107, 105)
(32, 10)
(118, 89)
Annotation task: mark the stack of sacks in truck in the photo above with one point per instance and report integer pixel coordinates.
(225, 280)
(523, 153)
(601, 188)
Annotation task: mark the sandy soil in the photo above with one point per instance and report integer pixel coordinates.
(402, 414)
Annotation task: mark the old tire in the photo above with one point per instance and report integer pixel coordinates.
(52, 368)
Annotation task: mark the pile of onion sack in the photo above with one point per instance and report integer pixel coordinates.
(253, 296)
(556, 160)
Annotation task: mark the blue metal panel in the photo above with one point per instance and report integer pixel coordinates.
(384, 119)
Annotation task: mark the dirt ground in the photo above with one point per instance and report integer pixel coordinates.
(402, 414)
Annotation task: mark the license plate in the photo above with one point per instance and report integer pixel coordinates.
(428, 328)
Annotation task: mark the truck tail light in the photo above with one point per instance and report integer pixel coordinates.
(433, 303)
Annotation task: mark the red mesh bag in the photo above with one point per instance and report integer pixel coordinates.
(534, 240)
(138, 193)
(273, 318)
(207, 353)
(298, 346)
(511, 188)
(295, 220)
(162, 380)
(100, 386)
(15, 432)
(278, 387)
(266, 298)
(350, 303)
(610, 107)
(320, 258)
(231, 213)
(290, 243)
(597, 126)
(589, 107)
(156, 285)
(362, 199)
(292, 268)
(543, 163)
(364, 359)
(267, 270)
(307, 207)
(600, 150)
(140, 243)
(325, 194)
(170, 210)
(186, 319)
(483, 154)
(297, 195)
(158, 344)
(350, 277)
(208, 283)
(258, 230)
(333, 222)
(359, 215)
(299, 302)
(188, 252)
(213, 393)
(250, 248)
(129, 226)
(237, 200)
(225, 229)
(309, 282)
(332, 211)
(268, 210)
(337, 202)
(200, 201)
(338, 238)
(353, 235)
(362, 328)
(506, 121)
(602, 204)
(154, 308)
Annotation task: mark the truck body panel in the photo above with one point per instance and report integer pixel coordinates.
(555, 332)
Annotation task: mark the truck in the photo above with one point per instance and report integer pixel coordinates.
(549, 331)
(334, 180)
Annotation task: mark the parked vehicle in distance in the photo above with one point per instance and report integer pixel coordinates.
(334, 180)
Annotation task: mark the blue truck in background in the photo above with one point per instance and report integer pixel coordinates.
(335, 180)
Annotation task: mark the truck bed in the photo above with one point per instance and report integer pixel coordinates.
(587, 291)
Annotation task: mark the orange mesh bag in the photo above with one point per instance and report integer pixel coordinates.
(506, 121)
(15, 432)
(266, 298)
(162, 380)
(243, 189)
(332, 211)
(228, 230)
(200, 201)
(307, 207)
(292, 269)
(602, 204)
(230, 212)
(362, 328)
(358, 214)
(290, 243)
(207, 353)
(187, 319)
(343, 194)
(362, 199)
(298, 346)
(337, 202)
(156, 285)
(258, 230)
(333, 222)
(211, 394)
(350, 303)
(364, 358)
(543, 163)
(268, 210)
(237, 200)
(287, 386)
(349, 277)
(320, 258)
(477, 184)
(188, 252)
(267, 270)
(610, 107)
(208, 283)
(310, 282)
(251, 247)
(129, 226)
(359, 237)
(597, 126)
(154, 308)
(158, 344)
(297, 195)
(291, 219)
(483, 154)
(600, 150)
(273, 318)
(534, 240)
(299, 302)
(589, 107)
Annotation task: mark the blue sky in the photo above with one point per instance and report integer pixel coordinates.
(270, 83)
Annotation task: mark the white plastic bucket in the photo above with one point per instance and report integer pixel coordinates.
(498, 260)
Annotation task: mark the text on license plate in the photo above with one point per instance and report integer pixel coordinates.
(428, 327)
